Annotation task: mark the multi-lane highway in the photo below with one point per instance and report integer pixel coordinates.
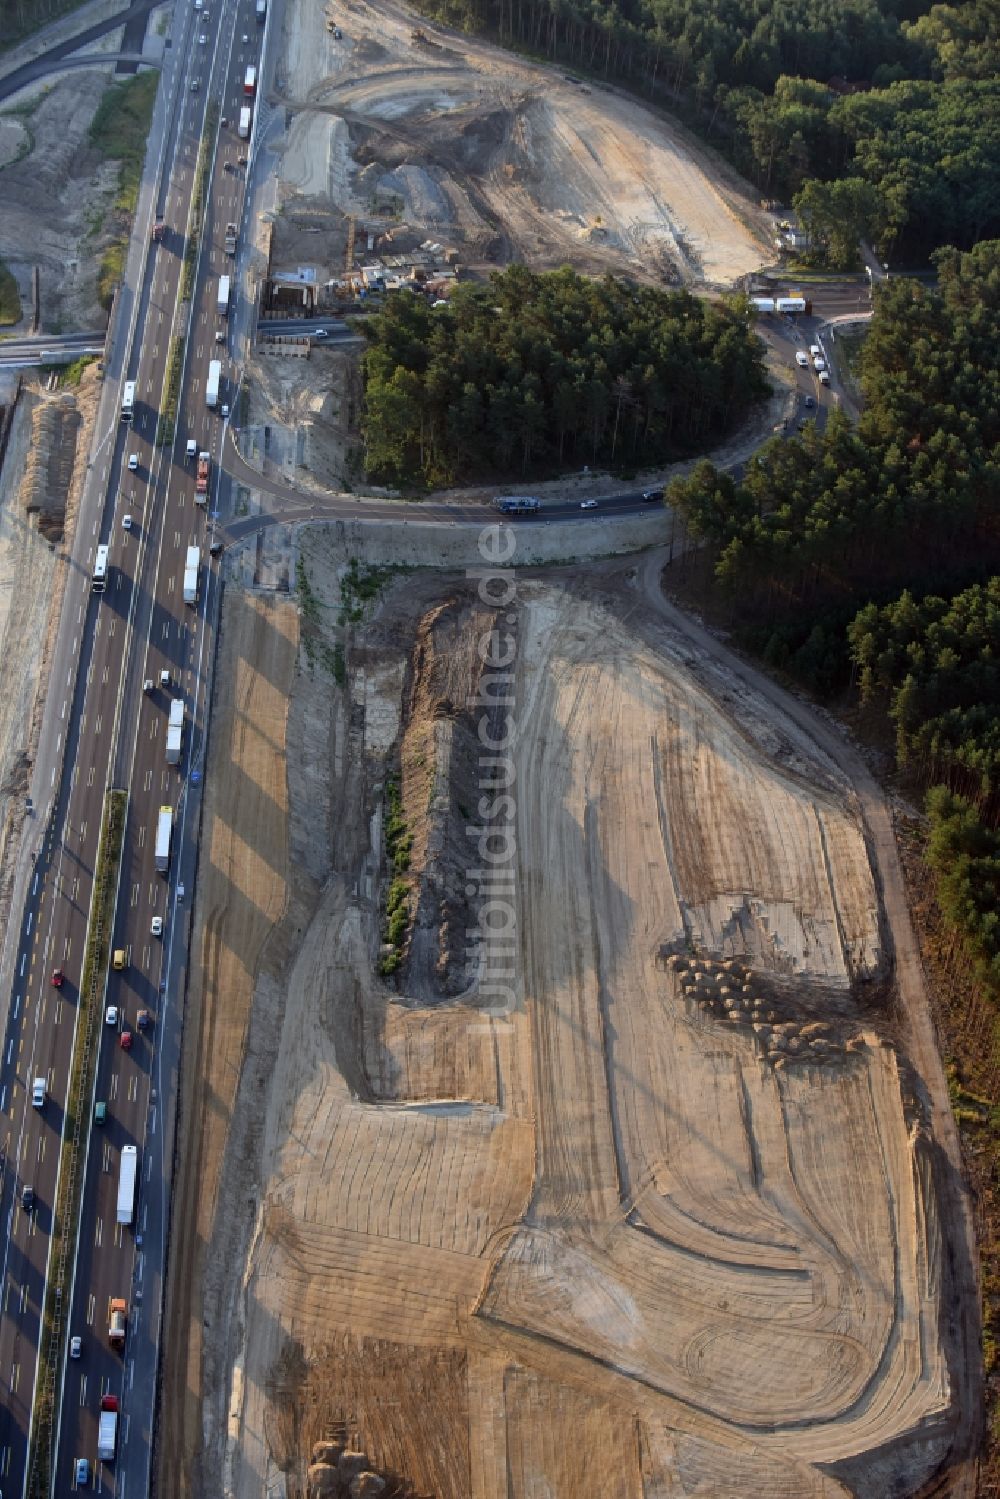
(111, 732)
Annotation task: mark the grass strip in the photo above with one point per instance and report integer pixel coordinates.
(10, 300)
(166, 424)
(198, 203)
(70, 1183)
(120, 132)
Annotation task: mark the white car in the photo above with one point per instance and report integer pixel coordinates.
(588, 504)
(203, 39)
(819, 363)
(126, 523)
(319, 333)
(802, 360)
(156, 927)
(133, 461)
(111, 1016)
(824, 377)
(75, 1347)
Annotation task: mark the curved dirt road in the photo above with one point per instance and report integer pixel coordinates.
(921, 1041)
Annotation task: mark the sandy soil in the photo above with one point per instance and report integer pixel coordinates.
(667, 1224)
(501, 158)
(54, 197)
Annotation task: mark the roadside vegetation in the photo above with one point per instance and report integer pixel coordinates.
(119, 131)
(10, 301)
(398, 845)
(198, 204)
(21, 18)
(540, 372)
(884, 117)
(166, 423)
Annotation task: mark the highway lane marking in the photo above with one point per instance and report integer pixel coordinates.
(40, 1154)
(90, 775)
(135, 894)
(133, 1093)
(113, 1086)
(131, 1371)
(35, 885)
(63, 713)
(98, 1231)
(83, 1389)
(152, 1124)
(24, 1296)
(15, 1377)
(10, 1050)
(31, 917)
(3, 1099)
(91, 1309)
(24, 959)
(72, 648)
(106, 1157)
(17, 1005)
(5, 1462)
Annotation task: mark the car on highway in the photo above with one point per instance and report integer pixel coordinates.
(319, 333)
(220, 337)
(81, 1471)
(57, 978)
(164, 678)
(802, 360)
(824, 377)
(194, 85)
(27, 1198)
(75, 1347)
(125, 1040)
(133, 462)
(819, 364)
(225, 410)
(649, 495)
(147, 685)
(119, 959)
(126, 523)
(588, 504)
(100, 1112)
(156, 927)
(111, 1015)
(810, 402)
(815, 349)
(142, 1020)
(203, 39)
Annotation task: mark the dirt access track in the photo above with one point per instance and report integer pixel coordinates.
(499, 158)
(633, 1196)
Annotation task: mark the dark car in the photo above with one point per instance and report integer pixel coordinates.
(649, 495)
(27, 1198)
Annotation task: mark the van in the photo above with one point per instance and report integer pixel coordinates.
(118, 959)
(191, 448)
(38, 1093)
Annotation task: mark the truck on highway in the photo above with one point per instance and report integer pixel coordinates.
(250, 82)
(164, 831)
(516, 504)
(214, 379)
(117, 1319)
(201, 480)
(222, 299)
(261, 9)
(243, 129)
(107, 1431)
(230, 239)
(192, 565)
(175, 732)
(126, 1187)
(158, 231)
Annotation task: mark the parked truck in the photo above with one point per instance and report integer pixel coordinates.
(192, 565)
(201, 480)
(244, 125)
(164, 831)
(222, 300)
(175, 732)
(126, 1186)
(230, 239)
(107, 1431)
(214, 380)
(117, 1321)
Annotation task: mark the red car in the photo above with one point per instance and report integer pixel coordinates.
(57, 978)
(125, 1040)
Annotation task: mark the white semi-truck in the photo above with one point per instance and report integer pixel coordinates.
(192, 565)
(164, 832)
(244, 125)
(107, 1431)
(126, 1183)
(175, 732)
(222, 300)
(213, 383)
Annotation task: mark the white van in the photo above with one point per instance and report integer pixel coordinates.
(191, 448)
(802, 360)
(38, 1093)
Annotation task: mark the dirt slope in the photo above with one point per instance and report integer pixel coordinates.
(669, 1224)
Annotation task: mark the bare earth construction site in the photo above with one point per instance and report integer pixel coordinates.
(665, 1227)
